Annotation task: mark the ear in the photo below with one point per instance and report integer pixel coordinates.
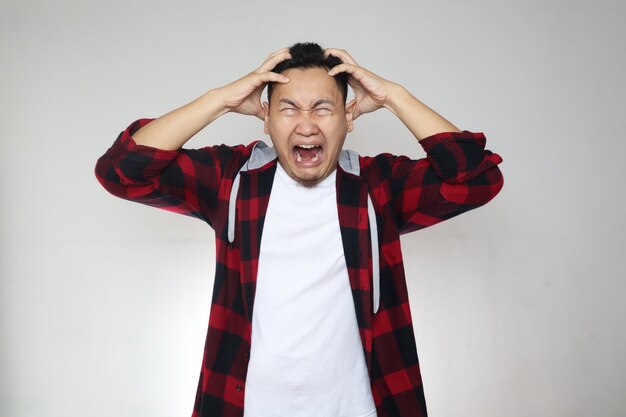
(266, 117)
(350, 109)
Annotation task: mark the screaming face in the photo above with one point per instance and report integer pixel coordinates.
(308, 122)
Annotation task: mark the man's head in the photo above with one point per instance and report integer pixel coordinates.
(310, 55)
(307, 117)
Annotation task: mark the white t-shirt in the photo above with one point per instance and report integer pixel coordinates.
(306, 357)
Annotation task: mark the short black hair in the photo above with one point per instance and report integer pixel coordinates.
(311, 55)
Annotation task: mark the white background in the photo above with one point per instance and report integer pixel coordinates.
(518, 306)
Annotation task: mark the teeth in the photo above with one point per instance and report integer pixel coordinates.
(308, 146)
(313, 159)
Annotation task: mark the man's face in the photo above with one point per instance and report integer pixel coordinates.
(308, 122)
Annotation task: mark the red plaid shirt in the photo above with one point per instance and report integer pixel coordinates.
(457, 175)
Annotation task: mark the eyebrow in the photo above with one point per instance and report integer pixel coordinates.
(316, 104)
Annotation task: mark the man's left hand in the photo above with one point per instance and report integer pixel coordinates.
(371, 92)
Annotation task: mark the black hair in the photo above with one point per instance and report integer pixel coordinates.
(311, 55)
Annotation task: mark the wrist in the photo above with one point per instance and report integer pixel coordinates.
(398, 96)
(214, 104)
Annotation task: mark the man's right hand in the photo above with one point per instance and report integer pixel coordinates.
(172, 130)
(244, 95)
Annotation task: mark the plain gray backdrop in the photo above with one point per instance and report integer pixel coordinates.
(517, 306)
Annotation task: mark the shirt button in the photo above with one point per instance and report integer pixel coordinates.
(238, 387)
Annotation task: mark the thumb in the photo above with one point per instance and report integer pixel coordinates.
(262, 111)
(352, 107)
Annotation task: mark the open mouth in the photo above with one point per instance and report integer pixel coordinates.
(307, 153)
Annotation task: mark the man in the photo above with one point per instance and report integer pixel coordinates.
(307, 234)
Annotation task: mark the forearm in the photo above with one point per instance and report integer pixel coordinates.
(172, 130)
(172, 180)
(420, 119)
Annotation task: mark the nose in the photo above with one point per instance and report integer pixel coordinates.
(306, 125)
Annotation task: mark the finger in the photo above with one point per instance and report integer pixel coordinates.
(356, 75)
(356, 113)
(276, 53)
(272, 77)
(273, 60)
(261, 113)
(349, 68)
(280, 51)
(340, 53)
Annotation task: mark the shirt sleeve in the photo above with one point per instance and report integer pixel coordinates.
(185, 181)
(457, 175)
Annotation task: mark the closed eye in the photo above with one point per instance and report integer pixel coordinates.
(289, 111)
(322, 111)
(318, 111)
